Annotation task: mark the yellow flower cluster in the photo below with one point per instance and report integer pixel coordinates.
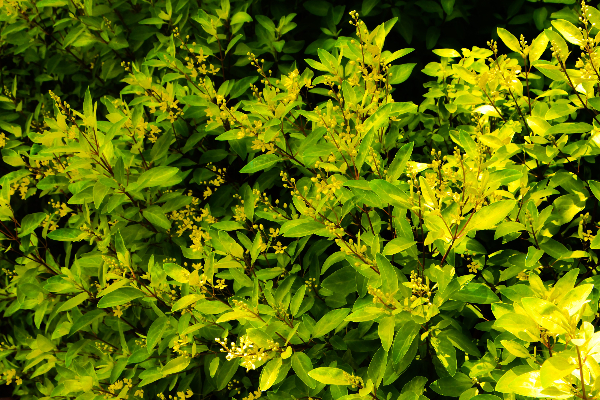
(10, 375)
(198, 238)
(10, 7)
(62, 209)
(238, 213)
(325, 188)
(179, 343)
(186, 217)
(311, 283)
(220, 284)
(246, 350)
(419, 288)
(588, 235)
(348, 247)
(234, 384)
(180, 395)
(253, 395)
(279, 249)
(379, 297)
(118, 310)
(9, 273)
(3, 345)
(167, 104)
(260, 145)
(104, 347)
(523, 276)
(22, 186)
(44, 168)
(48, 220)
(473, 267)
(354, 381)
(118, 385)
(115, 269)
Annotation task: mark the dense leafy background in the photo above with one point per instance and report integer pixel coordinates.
(215, 199)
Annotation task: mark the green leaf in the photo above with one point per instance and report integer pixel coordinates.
(528, 384)
(100, 191)
(538, 47)
(468, 144)
(389, 278)
(450, 53)
(546, 314)
(329, 376)
(390, 194)
(519, 325)
(377, 366)
(462, 341)
(265, 22)
(259, 163)
(30, 222)
(151, 21)
(214, 364)
(51, 3)
(332, 259)
(119, 297)
(477, 293)
(397, 245)
(186, 301)
(575, 299)
(399, 164)
(560, 43)
(328, 60)
(514, 348)
(569, 31)
(448, 6)
(86, 319)
(157, 176)
(318, 8)
(559, 110)
(595, 244)
(302, 365)
(569, 127)
(227, 226)
(400, 73)
(489, 216)
(509, 40)
(176, 365)
(341, 282)
(157, 217)
(156, 331)
(452, 386)
(297, 300)
(556, 368)
(73, 302)
(240, 17)
(269, 373)
(66, 235)
(226, 372)
(404, 338)
(595, 188)
(300, 228)
(445, 352)
(329, 322)
(386, 331)
(177, 272)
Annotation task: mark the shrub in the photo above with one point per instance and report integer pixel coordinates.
(220, 243)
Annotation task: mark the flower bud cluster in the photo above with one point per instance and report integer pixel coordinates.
(246, 350)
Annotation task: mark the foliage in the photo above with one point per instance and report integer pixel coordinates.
(220, 242)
